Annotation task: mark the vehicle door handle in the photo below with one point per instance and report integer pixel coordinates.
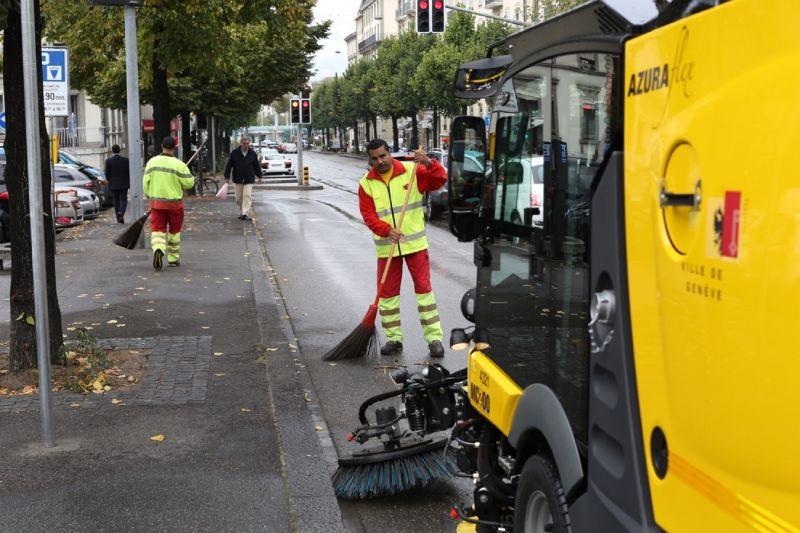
(671, 199)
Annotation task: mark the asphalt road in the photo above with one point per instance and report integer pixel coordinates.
(324, 262)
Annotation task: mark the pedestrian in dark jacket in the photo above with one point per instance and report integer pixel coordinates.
(244, 164)
(118, 174)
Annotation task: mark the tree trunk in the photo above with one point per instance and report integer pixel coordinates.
(366, 130)
(162, 114)
(355, 137)
(375, 126)
(23, 334)
(414, 132)
(395, 140)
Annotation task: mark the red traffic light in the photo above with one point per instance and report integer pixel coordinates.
(423, 4)
(438, 4)
(305, 104)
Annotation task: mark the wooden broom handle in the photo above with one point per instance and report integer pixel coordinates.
(399, 224)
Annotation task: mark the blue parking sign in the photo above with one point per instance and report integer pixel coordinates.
(55, 78)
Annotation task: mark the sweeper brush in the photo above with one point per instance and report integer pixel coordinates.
(379, 471)
(408, 457)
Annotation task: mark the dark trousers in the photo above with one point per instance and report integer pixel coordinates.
(120, 200)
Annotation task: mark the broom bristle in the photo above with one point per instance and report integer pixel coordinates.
(130, 237)
(361, 342)
(391, 477)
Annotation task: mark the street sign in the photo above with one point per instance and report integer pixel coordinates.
(3, 120)
(55, 78)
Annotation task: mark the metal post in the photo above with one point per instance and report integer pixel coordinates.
(31, 64)
(300, 154)
(213, 149)
(134, 119)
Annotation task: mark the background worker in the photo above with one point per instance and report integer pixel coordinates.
(165, 179)
(118, 174)
(381, 194)
(244, 164)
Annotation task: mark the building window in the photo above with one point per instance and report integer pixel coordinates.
(587, 61)
(589, 126)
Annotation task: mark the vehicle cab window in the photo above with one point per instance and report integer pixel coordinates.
(550, 132)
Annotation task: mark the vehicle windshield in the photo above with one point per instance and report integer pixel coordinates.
(69, 159)
(275, 157)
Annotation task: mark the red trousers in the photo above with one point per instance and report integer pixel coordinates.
(419, 266)
(160, 219)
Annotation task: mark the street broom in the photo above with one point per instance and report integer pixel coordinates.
(362, 341)
(130, 237)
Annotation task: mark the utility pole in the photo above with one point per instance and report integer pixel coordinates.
(31, 64)
(134, 119)
(213, 149)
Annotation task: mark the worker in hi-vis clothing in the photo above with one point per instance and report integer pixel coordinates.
(381, 194)
(165, 178)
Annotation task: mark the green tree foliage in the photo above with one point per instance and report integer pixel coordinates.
(220, 57)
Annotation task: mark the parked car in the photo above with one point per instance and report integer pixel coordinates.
(281, 148)
(290, 148)
(73, 176)
(270, 145)
(90, 202)
(106, 198)
(524, 188)
(67, 208)
(273, 163)
(436, 201)
(335, 146)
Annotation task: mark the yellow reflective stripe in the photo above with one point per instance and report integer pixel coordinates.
(389, 312)
(387, 212)
(404, 238)
(729, 501)
(392, 324)
(428, 321)
(168, 170)
(426, 308)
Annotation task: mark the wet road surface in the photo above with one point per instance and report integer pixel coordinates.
(324, 263)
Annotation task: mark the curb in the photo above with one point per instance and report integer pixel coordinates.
(307, 451)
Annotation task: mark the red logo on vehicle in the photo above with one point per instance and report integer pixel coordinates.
(729, 243)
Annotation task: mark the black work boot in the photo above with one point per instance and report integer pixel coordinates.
(435, 349)
(392, 348)
(158, 259)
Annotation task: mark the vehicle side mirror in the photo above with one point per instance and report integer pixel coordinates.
(468, 305)
(466, 157)
(528, 214)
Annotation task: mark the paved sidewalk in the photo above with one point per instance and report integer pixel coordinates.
(241, 449)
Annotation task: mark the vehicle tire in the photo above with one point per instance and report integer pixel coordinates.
(517, 221)
(540, 503)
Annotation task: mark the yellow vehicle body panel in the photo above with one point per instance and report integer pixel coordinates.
(491, 392)
(715, 291)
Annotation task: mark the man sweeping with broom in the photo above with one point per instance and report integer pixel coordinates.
(165, 178)
(381, 195)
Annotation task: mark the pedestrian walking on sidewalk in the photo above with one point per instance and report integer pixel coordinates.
(381, 193)
(118, 174)
(165, 179)
(243, 163)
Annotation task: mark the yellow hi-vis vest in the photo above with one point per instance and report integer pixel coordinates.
(388, 199)
(165, 178)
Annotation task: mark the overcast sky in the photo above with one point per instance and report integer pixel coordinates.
(342, 13)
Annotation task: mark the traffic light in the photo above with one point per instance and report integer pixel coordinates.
(424, 16)
(437, 17)
(294, 107)
(306, 110)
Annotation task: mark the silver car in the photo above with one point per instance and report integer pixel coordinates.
(90, 202)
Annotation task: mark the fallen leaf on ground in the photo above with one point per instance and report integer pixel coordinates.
(246, 410)
(112, 321)
(292, 346)
(319, 428)
(219, 353)
(205, 327)
(271, 349)
(28, 390)
(332, 364)
(116, 401)
(306, 397)
(149, 310)
(74, 405)
(120, 325)
(158, 438)
(220, 374)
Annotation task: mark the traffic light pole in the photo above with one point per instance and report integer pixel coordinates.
(479, 14)
(300, 155)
